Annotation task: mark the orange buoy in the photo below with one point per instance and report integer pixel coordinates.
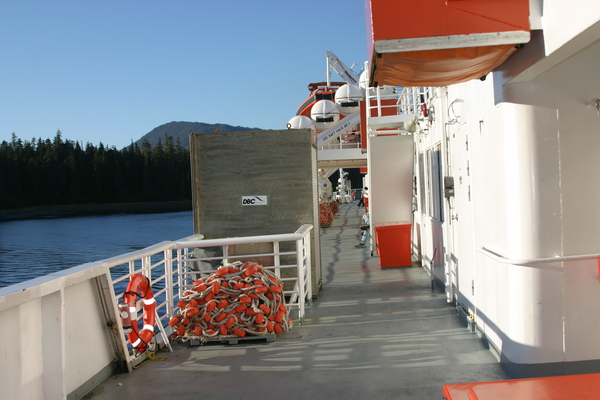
(241, 308)
(279, 316)
(239, 332)
(222, 304)
(138, 283)
(266, 309)
(221, 317)
(275, 289)
(192, 311)
(278, 328)
(250, 311)
(223, 329)
(211, 306)
(199, 289)
(230, 322)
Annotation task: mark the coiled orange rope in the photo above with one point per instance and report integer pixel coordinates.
(238, 299)
(325, 215)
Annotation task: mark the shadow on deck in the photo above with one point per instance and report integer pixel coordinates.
(371, 333)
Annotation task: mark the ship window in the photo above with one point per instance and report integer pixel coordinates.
(429, 185)
(437, 204)
(422, 182)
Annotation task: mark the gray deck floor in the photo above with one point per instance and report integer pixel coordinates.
(372, 333)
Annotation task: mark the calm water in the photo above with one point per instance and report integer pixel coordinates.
(32, 248)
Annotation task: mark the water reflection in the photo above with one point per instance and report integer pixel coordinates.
(32, 248)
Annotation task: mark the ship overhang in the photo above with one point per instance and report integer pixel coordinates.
(442, 42)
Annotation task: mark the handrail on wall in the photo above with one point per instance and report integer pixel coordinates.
(530, 261)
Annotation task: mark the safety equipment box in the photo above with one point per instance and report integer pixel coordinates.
(253, 183)
(393, 244)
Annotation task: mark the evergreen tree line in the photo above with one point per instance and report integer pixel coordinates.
(53, 172)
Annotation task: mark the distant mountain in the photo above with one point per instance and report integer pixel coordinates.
(181, 130)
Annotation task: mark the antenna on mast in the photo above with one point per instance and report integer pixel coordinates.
(328, 74)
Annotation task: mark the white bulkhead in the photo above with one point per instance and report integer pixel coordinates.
(517, 243)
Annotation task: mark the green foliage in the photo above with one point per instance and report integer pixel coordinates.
(59, 171)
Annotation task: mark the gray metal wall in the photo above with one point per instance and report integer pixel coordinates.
(279, 165)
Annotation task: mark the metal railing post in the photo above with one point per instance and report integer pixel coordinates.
(308, 266)
(169, 280)
(277, 260)
(378, 94)
(301, 281)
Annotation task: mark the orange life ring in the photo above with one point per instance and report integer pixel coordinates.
(140, 339)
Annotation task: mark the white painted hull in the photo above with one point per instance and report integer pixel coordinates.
(523, 149)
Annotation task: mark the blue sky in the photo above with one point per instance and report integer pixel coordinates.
(111, 71)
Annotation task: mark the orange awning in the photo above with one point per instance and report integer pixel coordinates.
(442, 42)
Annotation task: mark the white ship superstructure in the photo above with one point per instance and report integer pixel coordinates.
(507, 214)
(476, 123)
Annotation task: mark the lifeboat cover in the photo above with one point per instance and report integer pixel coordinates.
(441, 42)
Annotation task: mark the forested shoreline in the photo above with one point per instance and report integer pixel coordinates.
(43, 173)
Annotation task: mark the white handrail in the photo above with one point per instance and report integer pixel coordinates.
(529, 261)
(284, 237)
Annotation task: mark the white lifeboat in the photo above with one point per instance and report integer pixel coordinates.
(348, 98)
(301, 122)
(325, 113)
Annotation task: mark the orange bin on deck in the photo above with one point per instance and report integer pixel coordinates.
(393, 243)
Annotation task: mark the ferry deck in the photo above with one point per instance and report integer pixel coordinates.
(371, 333)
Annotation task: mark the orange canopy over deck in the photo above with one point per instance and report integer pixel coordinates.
(441, 42)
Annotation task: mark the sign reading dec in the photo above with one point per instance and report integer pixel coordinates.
(254, 200)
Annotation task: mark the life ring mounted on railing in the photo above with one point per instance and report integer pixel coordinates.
(140, 340)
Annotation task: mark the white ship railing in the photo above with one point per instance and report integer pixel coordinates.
(171, 268)
(299, 289)
(382, 100)
(392, 110)
(350, 140)
(385, 100)
(411, 99)
(50, 323)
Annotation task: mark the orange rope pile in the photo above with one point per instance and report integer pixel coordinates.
(325, 215)
(335, 207)
(238, 299)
